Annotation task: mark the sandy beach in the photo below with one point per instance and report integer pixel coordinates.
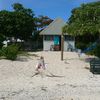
(76, 83)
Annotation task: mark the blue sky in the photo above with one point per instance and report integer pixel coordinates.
(51, 8)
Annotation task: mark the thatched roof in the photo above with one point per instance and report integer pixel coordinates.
(54, 28)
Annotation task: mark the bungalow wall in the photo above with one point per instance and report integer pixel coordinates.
(69, 43)
(48, 41)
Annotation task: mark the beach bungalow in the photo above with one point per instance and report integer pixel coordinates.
(52, 37)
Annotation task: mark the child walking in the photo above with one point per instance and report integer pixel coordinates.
(40, 67)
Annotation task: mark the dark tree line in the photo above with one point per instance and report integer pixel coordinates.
(84, 20)
(84, 24)
(21, 23)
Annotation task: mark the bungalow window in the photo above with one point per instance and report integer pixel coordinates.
(48, 38)
(69, 38)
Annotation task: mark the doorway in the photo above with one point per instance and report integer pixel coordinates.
(57, 43)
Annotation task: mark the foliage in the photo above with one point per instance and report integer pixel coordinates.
(84, 19)
(2, 38)
(18, 23)
(85, 22)
(81, 45)
(10, 52)
(19, 8)
(0, 53)
(21, 23)
(84, 41)
(43, 22)
(97, 50)
(7, 23)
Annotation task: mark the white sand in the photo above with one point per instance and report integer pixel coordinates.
(17, 83)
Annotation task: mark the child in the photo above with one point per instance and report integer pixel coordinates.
(79, 53)
(40, 66)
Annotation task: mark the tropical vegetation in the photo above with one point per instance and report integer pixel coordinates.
(84, 24)
(20, 23)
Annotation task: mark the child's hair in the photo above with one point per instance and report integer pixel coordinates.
(41, 57)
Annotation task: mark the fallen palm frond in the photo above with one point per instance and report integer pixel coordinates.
(52, 75)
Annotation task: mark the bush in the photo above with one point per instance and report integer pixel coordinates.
(97, 51)
(0, 52)
(1, 44)
(81, 45)
(10, 52)
(2, 38)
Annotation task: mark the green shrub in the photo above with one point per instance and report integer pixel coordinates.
(2, 38)
(81, 45)
(97, 51)
(10, 52)
(4, 51)
(0, 53)
(1, 44)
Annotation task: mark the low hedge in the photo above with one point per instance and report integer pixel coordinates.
(10, 52)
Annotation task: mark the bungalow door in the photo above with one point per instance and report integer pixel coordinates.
(57, 43)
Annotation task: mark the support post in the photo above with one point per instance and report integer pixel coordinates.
(62, 46)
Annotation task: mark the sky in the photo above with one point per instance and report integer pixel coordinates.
(50, 8)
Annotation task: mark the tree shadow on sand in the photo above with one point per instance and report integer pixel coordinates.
(91, 59)
(22, 58)
(25, 57)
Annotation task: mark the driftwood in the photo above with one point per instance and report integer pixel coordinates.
(54, 76)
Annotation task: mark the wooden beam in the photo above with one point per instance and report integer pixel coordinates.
(62, 46)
